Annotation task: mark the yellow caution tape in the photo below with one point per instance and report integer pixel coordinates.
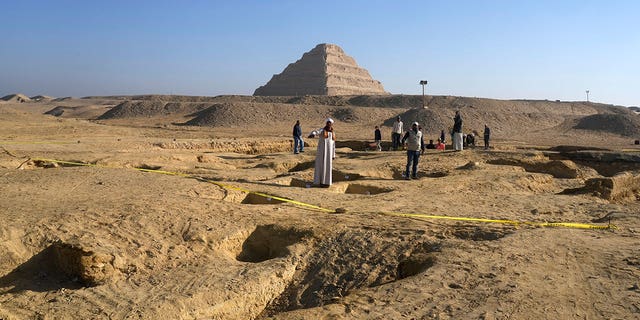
(226, 186)
(318, 208)
(502, 221)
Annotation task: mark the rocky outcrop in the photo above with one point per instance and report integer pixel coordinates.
(325, 70)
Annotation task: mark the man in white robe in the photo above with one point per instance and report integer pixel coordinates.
(325, 155)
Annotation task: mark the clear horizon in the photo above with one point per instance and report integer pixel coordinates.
(488, 49)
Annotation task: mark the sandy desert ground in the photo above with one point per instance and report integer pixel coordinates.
(110, 241)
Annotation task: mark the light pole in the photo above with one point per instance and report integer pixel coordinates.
(587, 95)
(423, 83)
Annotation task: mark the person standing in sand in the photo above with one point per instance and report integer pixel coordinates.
(325, 154)
(487, 136)
(457, 132)
(396, 132)
(415, 144)
(378, 138)
(298, 143)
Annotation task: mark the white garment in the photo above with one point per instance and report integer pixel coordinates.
(324, 160)
(457, 141)
(397, 127)
(414, 140)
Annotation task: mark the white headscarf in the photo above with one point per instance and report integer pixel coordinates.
(328, 120)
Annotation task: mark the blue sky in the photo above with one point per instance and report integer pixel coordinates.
(495, 49)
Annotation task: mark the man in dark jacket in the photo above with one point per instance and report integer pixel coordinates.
(298, 143)
(487, 136)
(457, 132)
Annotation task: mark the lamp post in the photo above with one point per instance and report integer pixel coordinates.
(587, 95)
(423, 83)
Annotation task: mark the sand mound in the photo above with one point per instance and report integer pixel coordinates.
(501, 121)
(130, 109)
(504, 117)
(227, 114)
(429, 119)
(627, 124)
(84, 112)
(17, 97)
(239, 114)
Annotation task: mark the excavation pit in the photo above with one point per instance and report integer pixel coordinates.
(562, 169)
(54, 164)
(295, 182)
(606, 163)
(252, 198)
(363, 189)
(479, 234)
(345, 176)
(270, 242)
(333, 270)
(415, 264)
(61, 265)
(147, 167)
(302, 166)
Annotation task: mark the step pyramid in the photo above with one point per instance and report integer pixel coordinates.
(325, 70)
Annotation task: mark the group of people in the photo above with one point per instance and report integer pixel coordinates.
(397, 142)
(413, 139)
(460, 140)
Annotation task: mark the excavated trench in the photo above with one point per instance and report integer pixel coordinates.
(606, 163)
(562, 169)
(144, 166)
(334, 265)
(32, 164)
(332, 269)
(250, 198)
(302, 166)
(476, 233)
(354, 188)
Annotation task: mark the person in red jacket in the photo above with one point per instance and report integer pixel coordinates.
(440, 145)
